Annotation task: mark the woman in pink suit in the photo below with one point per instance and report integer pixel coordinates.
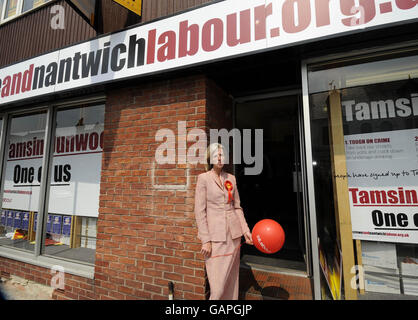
(221, 224)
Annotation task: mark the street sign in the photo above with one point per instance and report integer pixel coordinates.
(132, 5)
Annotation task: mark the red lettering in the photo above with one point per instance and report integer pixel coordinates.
(322, 13)
(29, 149)
(401, 195)
(5, 91)
(81, 142)
(260, 17)
(17, 82)
(392, 196)
(364, 197)
(212, 27)
(353, 194)
(411, 196)
(367, 10)
(39, 147)
(303, 15)
(151, 46)
(27, 79)
(69, 144)
(60, 148)
(12, 151)
(188, 39)
(406, 4)
(168, 50)
(378, 197)
(101, 140)
(93, 141)
(245, 28)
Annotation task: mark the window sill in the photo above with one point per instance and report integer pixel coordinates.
(76, 269)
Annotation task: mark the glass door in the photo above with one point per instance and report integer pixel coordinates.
(277, 192)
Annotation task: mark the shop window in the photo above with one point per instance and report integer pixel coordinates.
(74, 185)
(71, 197)
(364, 127)
(21, 180)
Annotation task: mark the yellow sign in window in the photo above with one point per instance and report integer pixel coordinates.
(133, 5)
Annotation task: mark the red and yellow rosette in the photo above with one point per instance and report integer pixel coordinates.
(229, 187)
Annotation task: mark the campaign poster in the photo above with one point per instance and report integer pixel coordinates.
(3, 218)
(381, 144)
(56, 224)
(10, 218)
(75, 176)
(66, 226)
(49, 224)
(25, 221)
(17, 220)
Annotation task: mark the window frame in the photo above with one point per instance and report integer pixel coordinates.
(37, 257)
(19, 9)
(326, 59)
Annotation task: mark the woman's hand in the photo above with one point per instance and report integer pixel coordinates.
(248, 238)
(206, 249)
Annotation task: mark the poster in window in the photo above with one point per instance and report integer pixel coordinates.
(10, 218)
(49, 224)
(17, 220)
(66, 226)
(56, 224)
(35, 221)
(25, 221)
(381, 144)
(3, 218)
(75, 178)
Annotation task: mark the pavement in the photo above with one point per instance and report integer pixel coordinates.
(17, 288)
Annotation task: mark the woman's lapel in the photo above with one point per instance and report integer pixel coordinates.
(223, 177)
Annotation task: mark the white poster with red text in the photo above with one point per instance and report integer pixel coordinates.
(382, 172)
(381, 145)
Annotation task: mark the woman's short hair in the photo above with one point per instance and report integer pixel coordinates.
(213, 147)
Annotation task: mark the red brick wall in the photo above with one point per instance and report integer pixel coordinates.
(146, 236)
(77, 288)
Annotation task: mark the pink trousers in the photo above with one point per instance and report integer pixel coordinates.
(223, 269)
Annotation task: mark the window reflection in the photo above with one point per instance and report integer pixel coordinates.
(11, 8)
(23, 166)
(75, 184)
(347, 76)
(377, 104)
(15, 7)
(30, 4)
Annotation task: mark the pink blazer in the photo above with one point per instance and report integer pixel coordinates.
(211, 208)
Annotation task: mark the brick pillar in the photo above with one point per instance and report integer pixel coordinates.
(147, 234)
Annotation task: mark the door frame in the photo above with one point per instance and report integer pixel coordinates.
(309, 227)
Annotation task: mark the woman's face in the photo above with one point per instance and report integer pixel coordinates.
(218, 159)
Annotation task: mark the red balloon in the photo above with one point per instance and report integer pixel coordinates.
(268, 236)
